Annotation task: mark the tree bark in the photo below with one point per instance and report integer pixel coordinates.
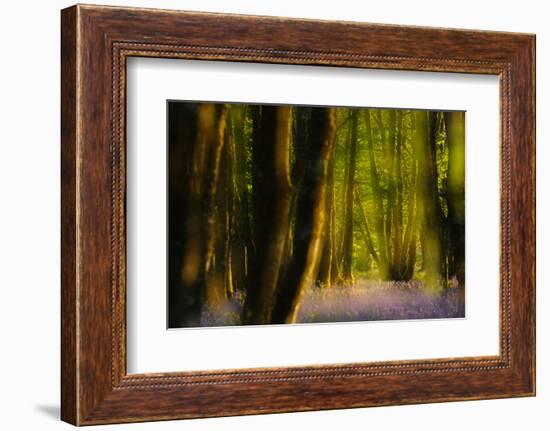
(383, 265)
(242, 246)
(184, 300)
(326, 266)
(213, 213)
(454, 125)
(432, 237)
(347, 242)
(272, 192)
(229, 219)
(389, 148)
(310, 217)
(197, 136)
(397, 230)
(410, 236)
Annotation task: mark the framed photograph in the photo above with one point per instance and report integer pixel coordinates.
(264, 215)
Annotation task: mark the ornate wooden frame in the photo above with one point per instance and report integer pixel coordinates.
(95, 43)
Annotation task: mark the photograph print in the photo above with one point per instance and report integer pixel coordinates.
(289, 214)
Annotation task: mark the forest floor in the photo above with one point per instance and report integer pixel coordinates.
(367, 300)
(375, 300)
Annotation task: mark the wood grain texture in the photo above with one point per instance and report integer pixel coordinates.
(96, 41)
(69, 397)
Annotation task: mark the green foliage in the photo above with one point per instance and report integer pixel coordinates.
(384, 129)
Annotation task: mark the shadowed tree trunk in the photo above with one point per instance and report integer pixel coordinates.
(310, 217)
(272, 192)
(215, 286)
(347, 242)
(228, 197)
(184, 305)
(326, 266)
(241, 246)
(197, 134)
(431, 220)
(454, 124)
(300, 136)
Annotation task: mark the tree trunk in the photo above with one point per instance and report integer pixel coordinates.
(197, 134)
(272, 192)
(242, 246)
(184, 299)
(310, 217)
(397, 230)
(230, 233)
(215, 288)
(327, 259)
(389, 148)
(378, 203)
(454, 124)
(347, 243)
(432, 238)
(300, 138)
(410, 236)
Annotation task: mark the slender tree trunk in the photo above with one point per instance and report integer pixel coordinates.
(454, 124)
(209, 147)
(325, 269)
(444, 227)
(300, 136)
(347, 243)
(432, 240)
(392, 190)
(378, 203)
(397, 231)
(410, 236)
(242, 245)
(339, 213)
(217, 283)
(334, 268)
(231, 209)
(272, 200)
(310, 217)
(215, 288)
(331, 241)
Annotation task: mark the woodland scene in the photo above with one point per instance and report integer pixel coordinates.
(284, 214)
